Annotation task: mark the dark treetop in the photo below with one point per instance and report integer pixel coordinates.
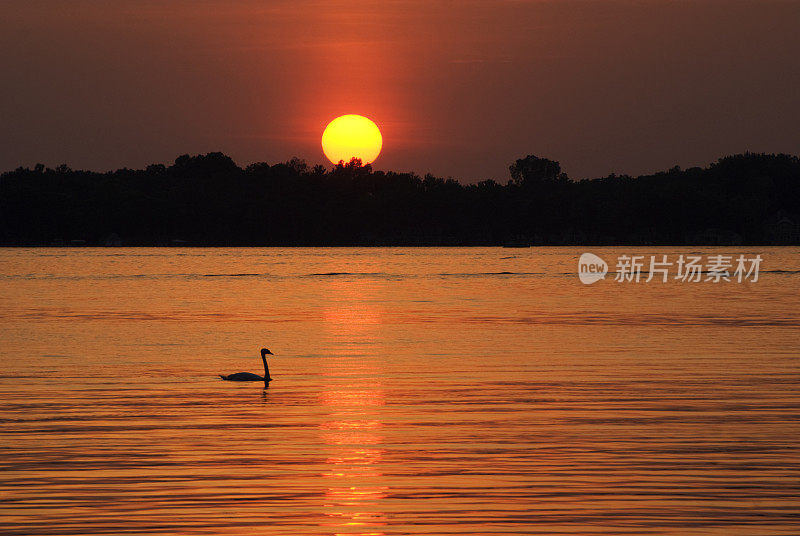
(210, 201)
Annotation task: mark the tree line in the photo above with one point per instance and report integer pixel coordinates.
(208, 200)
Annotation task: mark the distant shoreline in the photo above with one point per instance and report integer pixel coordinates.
(403, 246)
(208, 201)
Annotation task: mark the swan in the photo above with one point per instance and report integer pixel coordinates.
(249, 376)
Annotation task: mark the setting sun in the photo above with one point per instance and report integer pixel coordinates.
(352, 136)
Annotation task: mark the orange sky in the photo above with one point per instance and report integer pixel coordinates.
(459, 88)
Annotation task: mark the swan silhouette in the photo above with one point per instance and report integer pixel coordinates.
(249, 376)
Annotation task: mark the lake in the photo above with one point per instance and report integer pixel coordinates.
(470, 391)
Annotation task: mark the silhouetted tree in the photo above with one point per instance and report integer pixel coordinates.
(532, 170)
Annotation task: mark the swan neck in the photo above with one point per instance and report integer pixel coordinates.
(266, 367)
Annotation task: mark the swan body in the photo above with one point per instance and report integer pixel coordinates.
(243, 377)
(249, 376)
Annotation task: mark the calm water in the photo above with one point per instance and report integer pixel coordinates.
(417, 391)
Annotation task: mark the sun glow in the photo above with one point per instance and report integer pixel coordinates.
(352, 136)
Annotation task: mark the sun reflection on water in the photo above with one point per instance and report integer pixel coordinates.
(353, 397)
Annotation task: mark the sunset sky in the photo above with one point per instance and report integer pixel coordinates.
(458, 88)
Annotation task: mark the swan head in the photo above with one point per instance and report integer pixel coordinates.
(264, 352)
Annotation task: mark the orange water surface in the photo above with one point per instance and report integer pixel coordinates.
(431, 391)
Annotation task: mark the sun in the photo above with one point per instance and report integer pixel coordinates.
(352, 136)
